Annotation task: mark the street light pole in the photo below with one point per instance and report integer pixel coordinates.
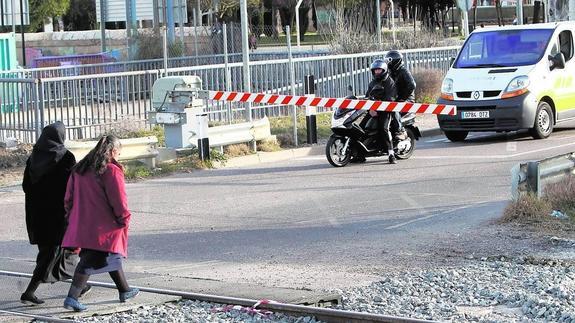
(297, 21)
(246, 55)
(378, 18)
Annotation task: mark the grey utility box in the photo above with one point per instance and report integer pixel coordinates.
(177, 108)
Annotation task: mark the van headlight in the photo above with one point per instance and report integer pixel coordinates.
(447, 89)
(516, 87)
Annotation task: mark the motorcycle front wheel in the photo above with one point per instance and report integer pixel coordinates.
(407, 153)
(334, 151)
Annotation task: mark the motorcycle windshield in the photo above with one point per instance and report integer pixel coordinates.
(339, 113)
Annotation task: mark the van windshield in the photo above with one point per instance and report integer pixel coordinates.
(501, 48)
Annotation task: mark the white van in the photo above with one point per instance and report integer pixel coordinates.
(511, 78)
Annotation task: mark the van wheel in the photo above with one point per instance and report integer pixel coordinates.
(456, 136)
(543, 121)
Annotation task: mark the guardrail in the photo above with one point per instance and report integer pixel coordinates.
(533, 176)
(143, 149)
(238, 133)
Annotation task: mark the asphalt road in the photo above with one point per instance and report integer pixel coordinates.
(304, 224)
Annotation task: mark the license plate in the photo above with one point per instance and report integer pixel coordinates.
(474, 114)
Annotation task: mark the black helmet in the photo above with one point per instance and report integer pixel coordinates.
(379, 63)
(394, 60)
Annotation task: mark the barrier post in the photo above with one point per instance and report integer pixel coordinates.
(310, 111)
(203, 140)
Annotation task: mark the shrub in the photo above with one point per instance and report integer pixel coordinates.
(14, 157)
(528, 208)
(408, 39)
(150, 46)
(237, 150)
(561, 196)
(428, 85)
(557, 197)
(268, 145)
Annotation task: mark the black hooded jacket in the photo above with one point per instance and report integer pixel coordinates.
(405, 85)
(382, 90)
(45, 179)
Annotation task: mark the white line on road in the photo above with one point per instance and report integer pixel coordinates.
(494, 156)
(436, 140)
(433, 215)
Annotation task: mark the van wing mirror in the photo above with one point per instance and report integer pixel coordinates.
(451, 61)
(557, 61)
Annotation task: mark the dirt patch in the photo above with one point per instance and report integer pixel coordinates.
(14, 157)
(12, 162)
(11, 176)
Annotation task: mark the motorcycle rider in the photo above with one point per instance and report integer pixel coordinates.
(382, 88)
(405, 88)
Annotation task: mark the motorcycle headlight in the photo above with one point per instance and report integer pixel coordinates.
(516, 87)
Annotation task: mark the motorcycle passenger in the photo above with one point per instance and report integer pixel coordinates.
(382, 88)
(405, 88)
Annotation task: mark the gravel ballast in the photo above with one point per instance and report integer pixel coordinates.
(486, 291)
(482, 290)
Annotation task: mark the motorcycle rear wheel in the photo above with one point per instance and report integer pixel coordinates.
(334, 151)
(406, 154)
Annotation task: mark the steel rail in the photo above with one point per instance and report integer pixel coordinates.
(323, 314)
(37, 317)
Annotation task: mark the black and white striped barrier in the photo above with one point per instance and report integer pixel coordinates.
(310, 111)
(203, 140)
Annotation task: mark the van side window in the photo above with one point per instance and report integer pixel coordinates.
(566, 44)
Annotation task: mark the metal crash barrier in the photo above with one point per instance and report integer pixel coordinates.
(143, 149)
(533, 176)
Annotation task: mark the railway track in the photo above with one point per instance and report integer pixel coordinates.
(323, 314)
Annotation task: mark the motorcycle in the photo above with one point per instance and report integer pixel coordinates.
(355, 135)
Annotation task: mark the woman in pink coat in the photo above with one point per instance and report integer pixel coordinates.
(98, 220)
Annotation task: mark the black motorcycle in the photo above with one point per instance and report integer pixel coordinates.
(355, 135)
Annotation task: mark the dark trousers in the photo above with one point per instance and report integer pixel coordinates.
(383, 124)
(396, 125)
(46, 255)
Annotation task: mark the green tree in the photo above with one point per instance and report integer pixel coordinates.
(41, 10)
(81, 15)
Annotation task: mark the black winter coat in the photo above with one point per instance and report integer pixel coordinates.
(45, 215)
(386, 92)
(405, 85)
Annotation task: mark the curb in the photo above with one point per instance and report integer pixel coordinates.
(288, 154)
(431, 132)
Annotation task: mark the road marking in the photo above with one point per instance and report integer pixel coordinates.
(494, 156)
(436, 140)
(318, 157)
(395, 226)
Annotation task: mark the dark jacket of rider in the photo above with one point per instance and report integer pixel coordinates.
(386, 91)
(405, 84)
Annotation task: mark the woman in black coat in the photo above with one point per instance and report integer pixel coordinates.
(45, 178)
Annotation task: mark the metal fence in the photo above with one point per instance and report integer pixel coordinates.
(151, 64)
(92, 104)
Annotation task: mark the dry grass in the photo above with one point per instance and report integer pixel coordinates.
(268, 145)
(529, 209)
(561, 196)
(237, 150)
(428, 85)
